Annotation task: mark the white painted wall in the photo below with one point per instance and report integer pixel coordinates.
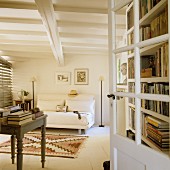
(44, 70)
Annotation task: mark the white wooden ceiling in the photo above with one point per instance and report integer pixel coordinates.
(39, 29)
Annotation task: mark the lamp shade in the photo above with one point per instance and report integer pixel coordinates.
(33, 78)
(101, 78)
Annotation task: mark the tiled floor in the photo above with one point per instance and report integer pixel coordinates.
(91, 157)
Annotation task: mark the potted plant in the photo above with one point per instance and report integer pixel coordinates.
(25, 93)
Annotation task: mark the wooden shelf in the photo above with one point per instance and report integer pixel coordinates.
(121, 86)
(155, 114)
(151, 80)
(150, 50)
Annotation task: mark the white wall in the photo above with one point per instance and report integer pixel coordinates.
(44, 70)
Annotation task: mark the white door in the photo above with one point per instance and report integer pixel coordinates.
(132, 145)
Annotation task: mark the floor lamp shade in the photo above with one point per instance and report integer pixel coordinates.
(101, 79)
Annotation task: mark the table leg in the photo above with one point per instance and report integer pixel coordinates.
(43, 141)
(19, 154)
(13, 148)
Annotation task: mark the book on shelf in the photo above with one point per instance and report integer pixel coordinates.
(158, 26)
(131, 68)
(130, 16)
(20, 122)
(162, 147)
(146, 5)
(132, 118)
(158, 137)
(157, 122)
(161, 131)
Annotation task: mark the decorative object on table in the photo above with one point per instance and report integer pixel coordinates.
(23, 95)
(14, 108)
(33, 79)
(101, 79)
(81, 76)
(36, 113)
(63, 78)
(73, 93)
(56, 145)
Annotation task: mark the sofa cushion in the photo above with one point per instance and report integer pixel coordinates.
(78, 105)
(49, 105)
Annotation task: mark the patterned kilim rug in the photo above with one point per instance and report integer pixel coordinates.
(56, 145)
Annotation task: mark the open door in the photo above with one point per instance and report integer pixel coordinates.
(139, 84)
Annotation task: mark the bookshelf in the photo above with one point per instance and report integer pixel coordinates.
(143, 141)
(152, 78)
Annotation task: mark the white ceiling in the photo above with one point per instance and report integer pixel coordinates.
(28, 31)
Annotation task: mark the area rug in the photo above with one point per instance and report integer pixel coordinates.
(56, 145)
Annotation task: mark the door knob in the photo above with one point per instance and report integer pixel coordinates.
(111, 96)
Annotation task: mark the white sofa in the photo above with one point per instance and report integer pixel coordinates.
(83, 103)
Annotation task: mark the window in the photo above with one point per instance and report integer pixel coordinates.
(5, 83)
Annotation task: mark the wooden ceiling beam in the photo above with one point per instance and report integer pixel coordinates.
(80, 10)
(46, 10)
(73, 44)
(78, 35)
(24, 42)
(18, 5)
(24, 48)
(33, 6)
(19, 32)
(20, 20)
(81, 24)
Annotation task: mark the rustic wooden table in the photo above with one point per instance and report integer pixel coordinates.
(18, 131)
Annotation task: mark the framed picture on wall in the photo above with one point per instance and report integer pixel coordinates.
(81, 76)
(62, 78)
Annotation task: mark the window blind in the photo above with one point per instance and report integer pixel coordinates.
(5, 83)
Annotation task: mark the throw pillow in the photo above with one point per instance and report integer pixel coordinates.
(61, 108)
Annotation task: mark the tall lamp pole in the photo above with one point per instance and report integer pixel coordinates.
(101, 82)
(33, 79)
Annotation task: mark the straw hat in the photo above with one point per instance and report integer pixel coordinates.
(73, 93)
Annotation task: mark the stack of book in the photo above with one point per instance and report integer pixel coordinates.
(3, 115)
(158, 132)
(19, 118)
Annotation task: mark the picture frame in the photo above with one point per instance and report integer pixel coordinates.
(81, 76)
(62, 78)
(121, 71)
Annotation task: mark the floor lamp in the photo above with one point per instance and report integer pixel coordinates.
(33, 79)
(101, 78)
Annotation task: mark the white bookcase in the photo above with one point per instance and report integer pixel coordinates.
(147, 45)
